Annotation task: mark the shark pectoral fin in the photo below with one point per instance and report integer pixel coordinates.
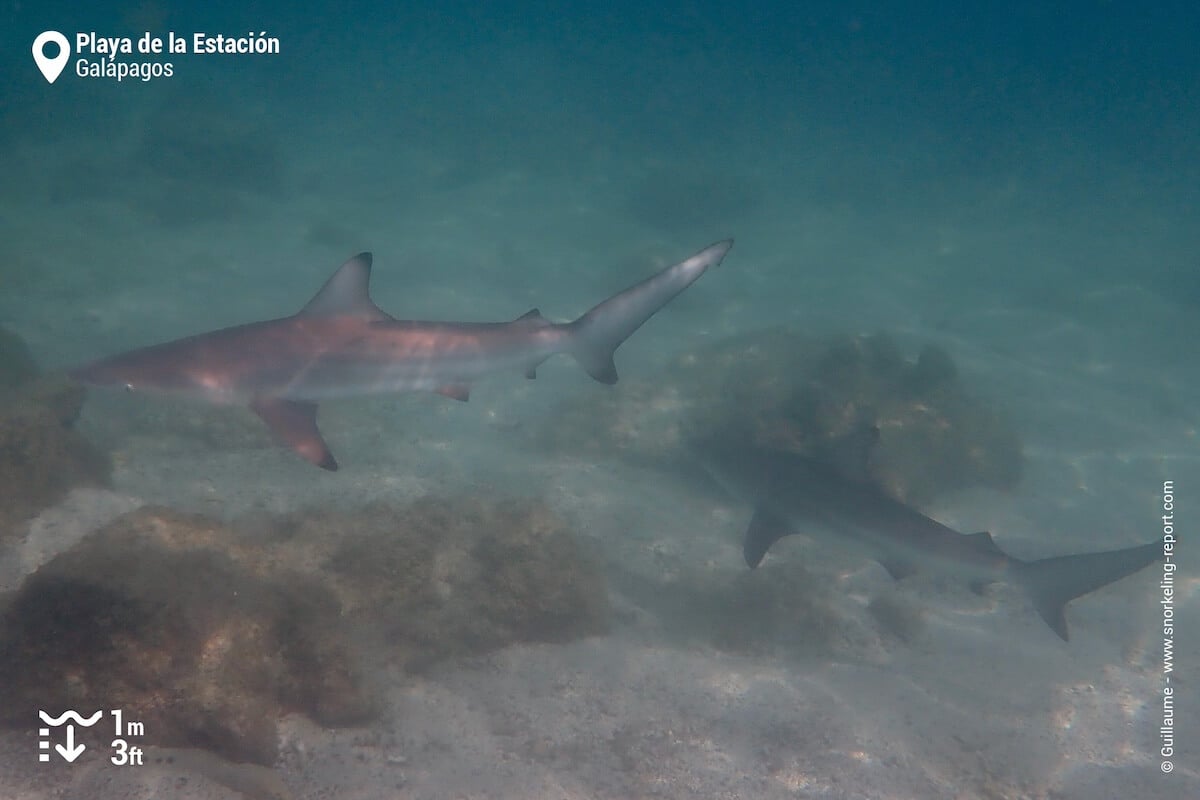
(295, 424)
(898, 568)
(766, 527)
(455, 391)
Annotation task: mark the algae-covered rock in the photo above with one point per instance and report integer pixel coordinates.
(208, 633)
(787, 391)
(168, 617)
(41, 456)
(445, 577)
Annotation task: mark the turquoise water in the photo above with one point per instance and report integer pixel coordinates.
(1018, 185)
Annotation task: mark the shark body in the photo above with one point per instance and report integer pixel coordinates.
(834, 500)
(341, 344)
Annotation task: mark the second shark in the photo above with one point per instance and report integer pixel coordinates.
(831, 496)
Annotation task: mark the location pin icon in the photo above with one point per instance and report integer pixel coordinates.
(51, 67)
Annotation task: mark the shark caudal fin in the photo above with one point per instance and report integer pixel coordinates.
(1054, 582)
(597, 334)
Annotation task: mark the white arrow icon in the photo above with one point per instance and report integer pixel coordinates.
(51, 67)
(72, 750)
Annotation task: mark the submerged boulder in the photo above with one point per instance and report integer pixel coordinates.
(168, 617)
(209, 633)
(41, 456)
(784, 390)
(453, 576)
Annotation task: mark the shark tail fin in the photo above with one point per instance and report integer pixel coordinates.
(597, 334)
(1054, 582)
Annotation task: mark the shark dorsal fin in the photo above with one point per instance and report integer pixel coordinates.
(347, 292)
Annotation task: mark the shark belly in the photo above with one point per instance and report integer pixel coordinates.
(432, 360)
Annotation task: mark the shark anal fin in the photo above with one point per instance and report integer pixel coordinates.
(898, 568)
(294, 423)
(531, 370)
(455, 391)
(766, 527)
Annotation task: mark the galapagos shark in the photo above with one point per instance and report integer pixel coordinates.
(341, 344)
(831, 495)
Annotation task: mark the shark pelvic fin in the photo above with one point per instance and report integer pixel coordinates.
(295, 424)
(347, 292)
(455, 391)
(1054, 582)
(898, 568)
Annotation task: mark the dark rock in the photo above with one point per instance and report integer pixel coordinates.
(451, 577)
(786, 391)
(169, 618)
(41, 456)
(209, 633)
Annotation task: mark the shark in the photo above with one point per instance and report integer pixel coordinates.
(831, 496)
(341, 344)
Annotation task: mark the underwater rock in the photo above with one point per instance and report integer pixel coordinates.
(934, 436)
(210, 633)
(172, 619)
(449, 577)
(41, 456)
(787, 391)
